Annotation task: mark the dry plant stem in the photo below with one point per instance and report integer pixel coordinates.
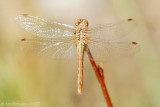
(99, 73)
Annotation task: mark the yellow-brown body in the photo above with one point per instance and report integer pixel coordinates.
(81, 41)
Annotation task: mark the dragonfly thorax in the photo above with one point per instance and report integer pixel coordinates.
(81, 34)
(81, 29)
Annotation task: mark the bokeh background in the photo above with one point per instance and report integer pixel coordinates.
(43, 82)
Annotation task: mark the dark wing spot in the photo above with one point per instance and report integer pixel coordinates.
(24, 39)
(130, 19)
(134, 43)
(25, 15)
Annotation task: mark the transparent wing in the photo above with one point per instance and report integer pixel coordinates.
(42, 28)
(112, 31)
(59, 48)
(113, 50)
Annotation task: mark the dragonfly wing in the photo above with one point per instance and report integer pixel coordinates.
(59, 48)
(113, 50)
(112, 31)
(42, 28)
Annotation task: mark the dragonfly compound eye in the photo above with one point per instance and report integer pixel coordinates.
(82, 22)
(85, 22)
(78, 22)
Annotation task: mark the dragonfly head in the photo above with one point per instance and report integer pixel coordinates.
(82, 23)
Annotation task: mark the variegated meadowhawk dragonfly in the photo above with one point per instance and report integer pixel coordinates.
(58, 40)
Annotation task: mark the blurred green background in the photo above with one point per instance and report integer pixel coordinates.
(43, 82)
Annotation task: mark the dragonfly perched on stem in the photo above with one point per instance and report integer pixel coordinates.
(58, 40)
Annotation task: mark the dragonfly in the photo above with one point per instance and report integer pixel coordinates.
(58, 40)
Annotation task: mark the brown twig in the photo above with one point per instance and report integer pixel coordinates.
(100, 76)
